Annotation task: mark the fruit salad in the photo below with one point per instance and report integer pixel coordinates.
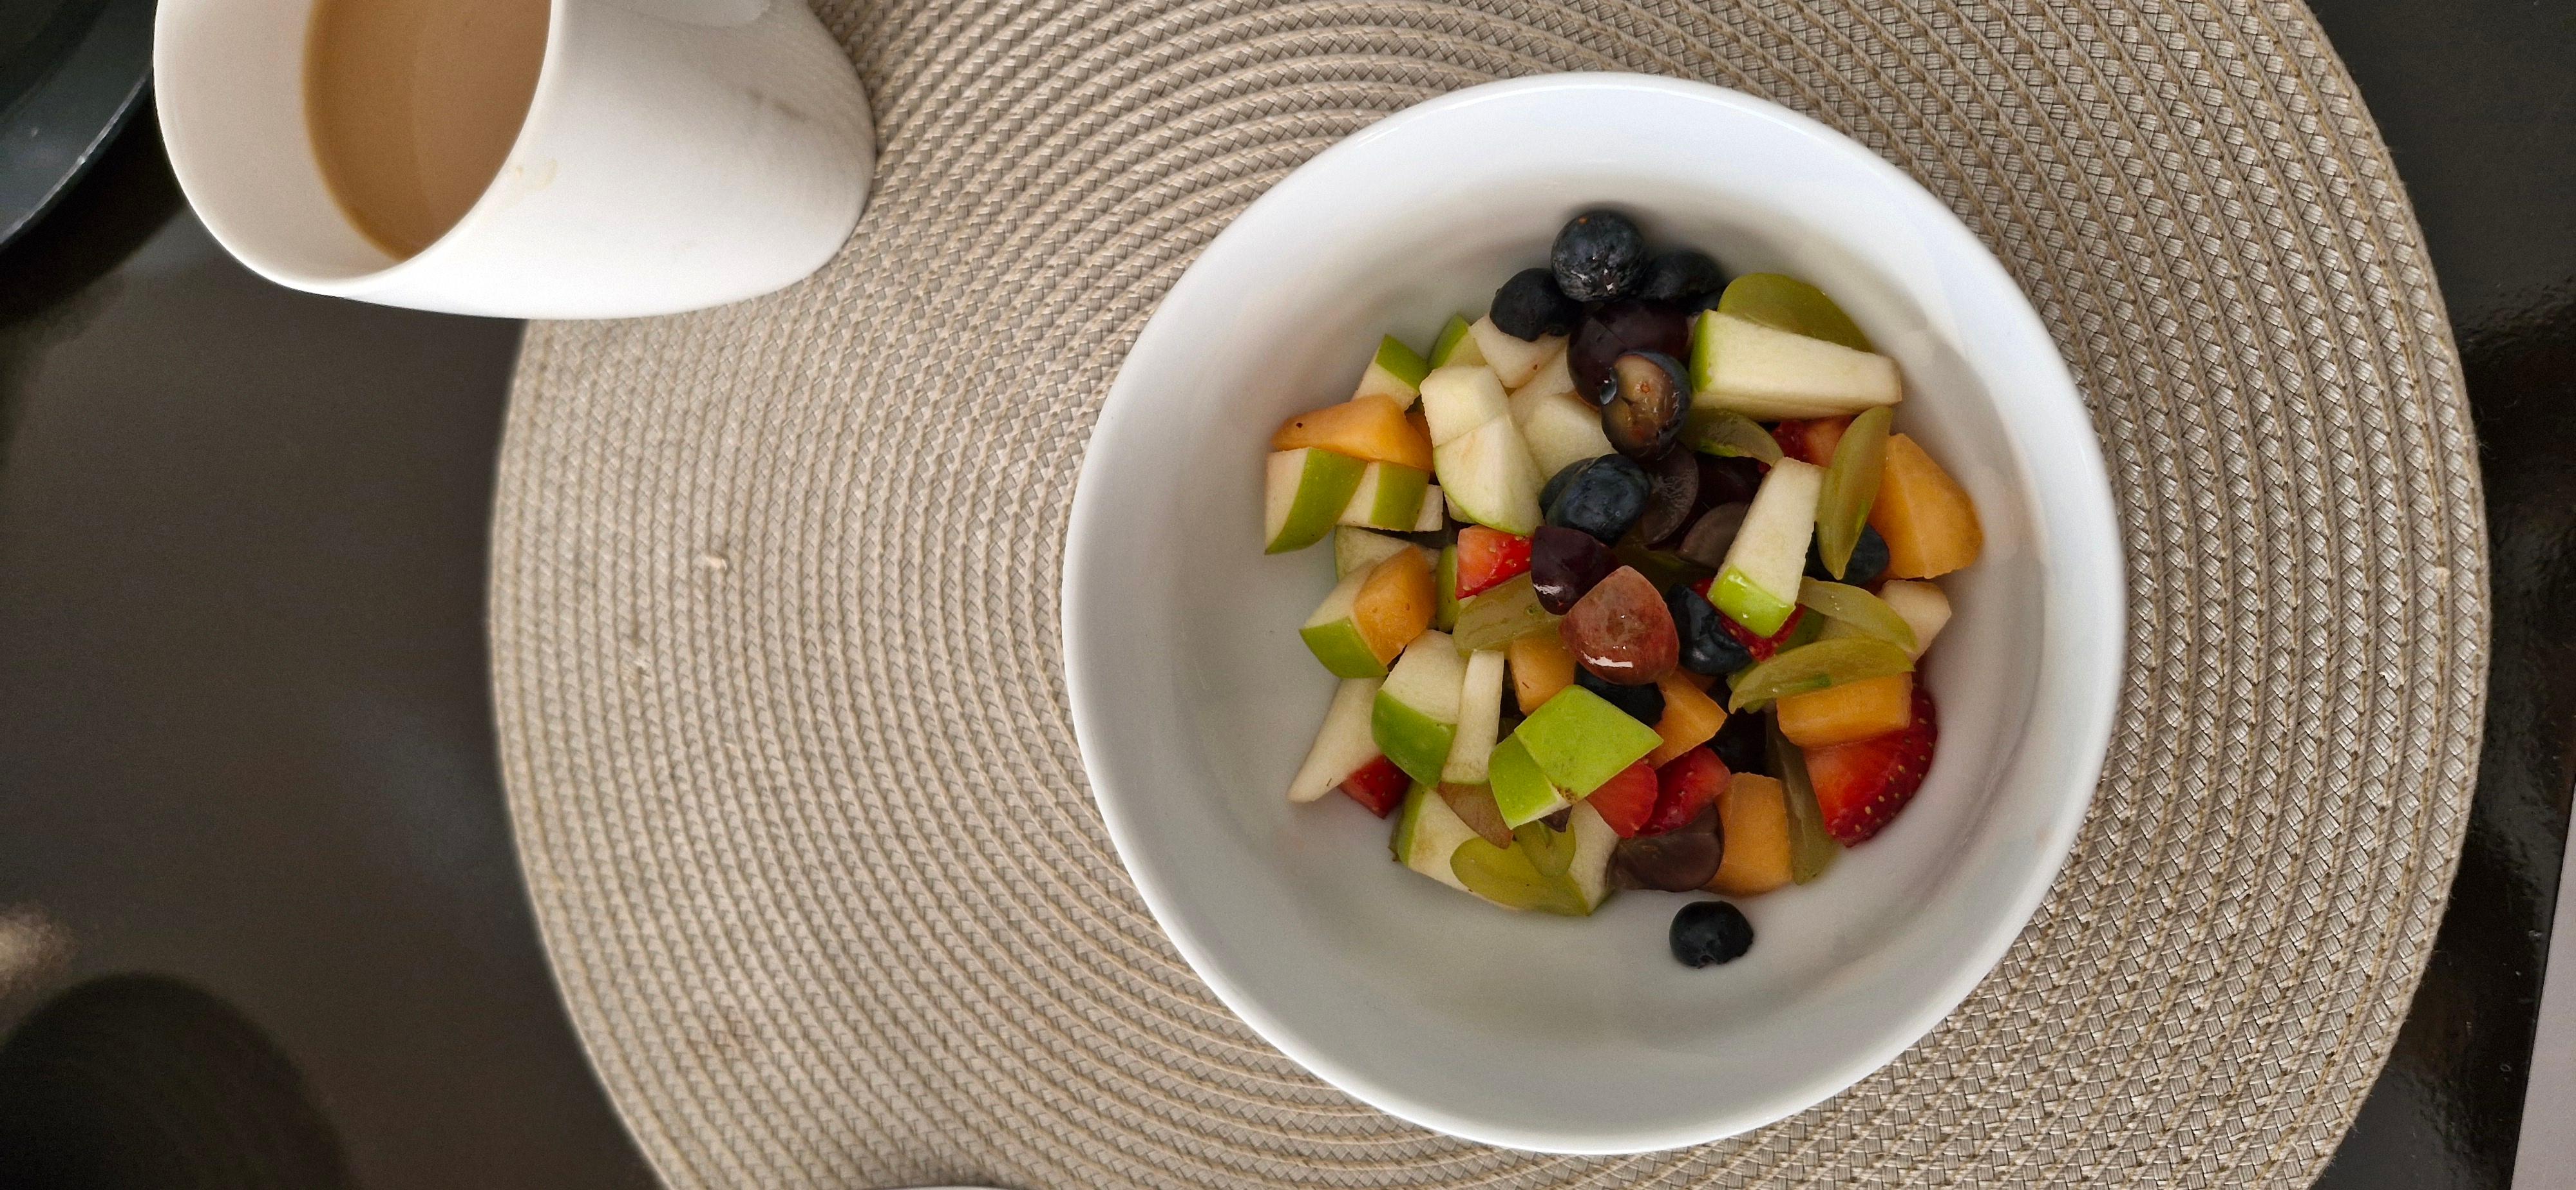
(1634, 584)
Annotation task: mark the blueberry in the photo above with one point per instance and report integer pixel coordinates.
(1706, 932)
(1686, 277)
(1645, 704)
(1598, 256)
(1530, 306)
(1868, 560)
(1743, 744)
(1565, 475)
(1707, 647)
(1603, 499)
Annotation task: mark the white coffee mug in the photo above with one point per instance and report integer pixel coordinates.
(678, 154)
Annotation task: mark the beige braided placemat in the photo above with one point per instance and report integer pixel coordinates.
(774, 607)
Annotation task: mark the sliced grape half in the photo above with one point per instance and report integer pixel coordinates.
(1851, 486)
(1815, 667)
(1847, 604)
(1493, 618)
(1714, 431)
(1811, 850)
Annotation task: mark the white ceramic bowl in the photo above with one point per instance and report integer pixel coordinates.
(1194, 700)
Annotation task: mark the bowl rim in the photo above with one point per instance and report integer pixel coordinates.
(2093, 714)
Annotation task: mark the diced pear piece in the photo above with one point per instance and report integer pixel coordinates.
(1480, 715)
(1342, 746)
(1561, 428)
(1490, 479)
(1514, 360)
(1359, 549)
(1458, 400)
(1922, 606)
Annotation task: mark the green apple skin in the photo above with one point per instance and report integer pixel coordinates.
(1308, 489)
(1427, 833)
(1416, 742)
(1459, 399)
(1514, 360)
(1767, 373)
(1395, 373)
(1333, 635)
(1579, 741)
(1521, 791)
(1491, 479)
(1456, 344)
(1342, 745)
(1444, 613)
(1415, 719)
(1389, 496)
(1757, 586)
(1356, 549)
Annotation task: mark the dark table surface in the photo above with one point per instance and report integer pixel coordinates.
(245, 737)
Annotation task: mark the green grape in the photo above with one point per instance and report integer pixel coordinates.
(1849, 605)
(1851, 487)
(1815, 667)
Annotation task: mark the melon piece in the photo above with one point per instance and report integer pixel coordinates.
(1852, 711)
(1926, 517)
(1691, 718)
(1753, 817)
(1371, 429)
(1541, 666)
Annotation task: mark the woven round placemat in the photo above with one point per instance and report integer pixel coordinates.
(774, 608)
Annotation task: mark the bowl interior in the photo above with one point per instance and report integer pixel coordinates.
(1195, 700)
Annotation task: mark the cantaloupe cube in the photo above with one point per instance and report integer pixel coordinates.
(1755, 816)
(1540, 666)
(1372, 427)
(1930, 526)
(1690, 719)
(1395, 603)
(1861, 710)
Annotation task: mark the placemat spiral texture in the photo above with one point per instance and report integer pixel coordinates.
(774, 608)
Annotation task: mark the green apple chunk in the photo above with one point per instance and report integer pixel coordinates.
(1490, 478)
(1457, 400)
(1415, 718)
(1343, 745)
(1521, 791)
(1434, 515)
(1514, 360)
(1925, 609)
(1556, 379)
(1766, 373)
(1444, 579)
(1456, 344)
(1480, 719)
(1560, 428)
(1389, 496)
(1579, 740)
(1333, 635)
(1594, 842)
(1355, 550)
(1395, 373)
(1308, 489)
(1758, 585)
(1427, 833)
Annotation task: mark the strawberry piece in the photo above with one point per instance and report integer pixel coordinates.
(1685, 786)
(1861, 785)
(1811, 441)
(1627, 800)
(1378, 785)
(1486, 557)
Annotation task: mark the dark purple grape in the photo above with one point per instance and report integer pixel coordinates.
(1621, 630)
(1598, 256)
(1706, 646)
(1564, 564)
(1644, 416)
(1686, 277)
(1706, 932)
(1743, 743)
(1645, 704)
(1727, 479)
(1670, 501)
(1530, 306)
(1603, 499)
(1614, 330)
(1675, 861)
(1713, 534)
